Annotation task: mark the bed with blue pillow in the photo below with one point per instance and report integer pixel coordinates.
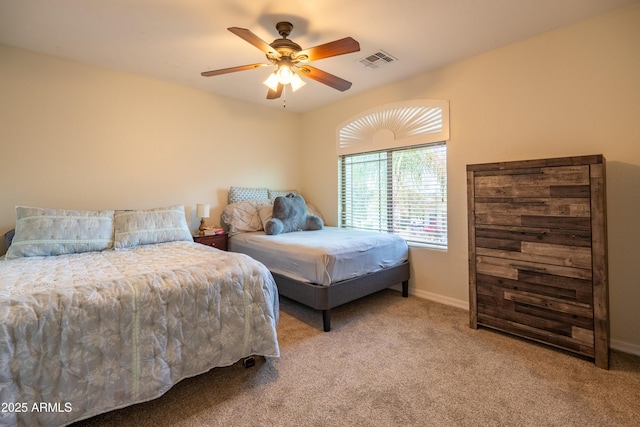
(104, 309)
(321, 268)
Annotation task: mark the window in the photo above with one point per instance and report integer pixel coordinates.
(399, 190)
(392, 163)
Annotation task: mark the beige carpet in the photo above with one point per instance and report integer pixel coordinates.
(393, 361)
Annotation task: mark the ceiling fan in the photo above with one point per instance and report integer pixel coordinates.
(291, 60)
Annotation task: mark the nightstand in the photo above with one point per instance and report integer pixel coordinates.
(218, 241)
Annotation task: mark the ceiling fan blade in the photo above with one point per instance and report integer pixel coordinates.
(250, 37)
(324, 77)
(327, 50)
(232, 69)
(275, 94)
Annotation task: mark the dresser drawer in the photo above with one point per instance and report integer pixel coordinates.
(511, 237)
(218, 241)
(558, 260)
(557, 213)
(555, 333)
(561, 181)
(556, 321)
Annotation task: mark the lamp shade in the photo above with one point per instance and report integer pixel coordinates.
(296, 82)
(272, 81)
(202, 211)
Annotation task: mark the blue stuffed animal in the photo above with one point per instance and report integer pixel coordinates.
(290, 214)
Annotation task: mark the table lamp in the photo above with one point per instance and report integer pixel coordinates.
(202, 211)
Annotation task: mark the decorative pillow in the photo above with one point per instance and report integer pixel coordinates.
(242, 217)
(146, 227)
(265, 213)
(290, 214)
(242, 194)
(280, 193)
(45, 232)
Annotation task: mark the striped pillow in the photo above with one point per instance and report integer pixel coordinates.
(146, 227)
(45, 232)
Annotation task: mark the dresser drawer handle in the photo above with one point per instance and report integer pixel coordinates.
(528, 267)
(537, 203)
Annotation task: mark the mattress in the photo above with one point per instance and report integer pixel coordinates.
(87, 333)
(323, 257)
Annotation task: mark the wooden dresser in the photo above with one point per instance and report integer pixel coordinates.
(538, 252)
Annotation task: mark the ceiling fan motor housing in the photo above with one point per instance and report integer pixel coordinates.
(284, 29)
(286, 48)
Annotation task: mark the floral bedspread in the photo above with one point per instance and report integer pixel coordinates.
(83, 334)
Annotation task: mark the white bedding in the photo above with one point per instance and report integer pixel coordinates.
(87, 333)
(324, 256)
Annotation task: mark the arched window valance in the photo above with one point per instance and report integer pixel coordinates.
(400, 124)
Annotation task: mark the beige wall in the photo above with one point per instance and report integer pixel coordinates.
(76, 136)
(573, 91)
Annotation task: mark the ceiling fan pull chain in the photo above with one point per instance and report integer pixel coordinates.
(284, 96)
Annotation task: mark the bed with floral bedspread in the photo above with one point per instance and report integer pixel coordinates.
(85, 333)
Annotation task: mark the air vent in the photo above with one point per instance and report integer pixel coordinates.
(377, 60)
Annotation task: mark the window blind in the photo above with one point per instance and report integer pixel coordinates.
(400, 190)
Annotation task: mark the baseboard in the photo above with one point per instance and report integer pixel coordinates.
(440, 298)
(623, 346)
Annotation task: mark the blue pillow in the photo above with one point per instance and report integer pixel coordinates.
(146, 227)
(45, 232)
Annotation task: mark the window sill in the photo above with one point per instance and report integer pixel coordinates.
(428, 246)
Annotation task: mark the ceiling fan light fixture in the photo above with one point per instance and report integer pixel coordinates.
(296, 82)
(284, 77)
(284, 73)
(272, 81)
(287, 56)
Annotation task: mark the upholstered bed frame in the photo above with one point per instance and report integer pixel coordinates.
(319, 297)
(325, 298)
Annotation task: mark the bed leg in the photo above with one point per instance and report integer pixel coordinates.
(326, 320)
(405, 288)
(248, 362)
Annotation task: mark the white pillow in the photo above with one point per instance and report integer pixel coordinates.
(265, 213)
(146, 227)
(313, 210)
(242, 217)
(45, 232)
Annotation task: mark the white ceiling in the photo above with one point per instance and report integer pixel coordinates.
(175, 40)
